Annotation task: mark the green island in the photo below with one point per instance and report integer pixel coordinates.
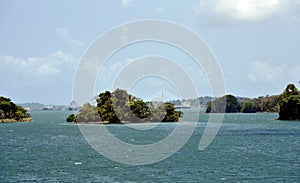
(10, 112)
(289, 104)
(286, 104)
(120, 107)
(244, 105)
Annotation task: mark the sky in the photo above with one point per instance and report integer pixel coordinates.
(255, 42)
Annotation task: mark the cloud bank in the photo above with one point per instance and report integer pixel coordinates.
(231, 12)
(49, 64)
(267, 72)
(37, 78)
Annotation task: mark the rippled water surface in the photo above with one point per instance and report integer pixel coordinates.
(248, 148)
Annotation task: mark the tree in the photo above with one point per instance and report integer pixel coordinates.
(157, 112)
(289, 104)
(19, 115)
(232, 104)
(9, 110)
(248, 107)
(266, 104)
(105, 108)
(87, 113)
(227, 104)
(171, 114)
(71, 118)
(139, 109)
(2, 114)
(121, 103)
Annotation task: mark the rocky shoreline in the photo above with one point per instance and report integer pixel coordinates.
(14, 120)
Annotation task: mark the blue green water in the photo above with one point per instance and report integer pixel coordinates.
(248, 148)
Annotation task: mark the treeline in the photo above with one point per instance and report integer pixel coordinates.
(10, 112)
(286, 104)
(119, 106)
(232, 104)
(261, 104)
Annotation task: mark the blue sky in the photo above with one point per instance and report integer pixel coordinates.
(256, 43)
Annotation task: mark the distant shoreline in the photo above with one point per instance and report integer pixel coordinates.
(96, 122)
(122, 122)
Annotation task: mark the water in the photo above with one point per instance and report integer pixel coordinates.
(248, 148)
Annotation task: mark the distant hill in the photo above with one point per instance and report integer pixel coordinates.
(200, 102)
(246, 105)
(32, 106)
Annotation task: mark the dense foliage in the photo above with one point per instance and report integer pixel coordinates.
(87, 113)
(227, 104)
(9, 110)
(266, 104)
(119, 106)
(248, 107)
(245, 105)
(290, 104)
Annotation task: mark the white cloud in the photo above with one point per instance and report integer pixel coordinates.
(46, 65)
(227, 12)
(46, 69)
(264, 71)
(126, 3)
(267, 72)
(60, 55)
(39, 78)
(64, 33)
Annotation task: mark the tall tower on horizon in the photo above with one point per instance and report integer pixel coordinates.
(162, 95)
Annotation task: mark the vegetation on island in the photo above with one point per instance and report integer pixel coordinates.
(261, 104)
(244, 105)
(10, 112)
(289, 104)
(86, 113)
(227, 104)
(119, 107)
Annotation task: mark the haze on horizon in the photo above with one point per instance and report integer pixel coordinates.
(256, 43)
